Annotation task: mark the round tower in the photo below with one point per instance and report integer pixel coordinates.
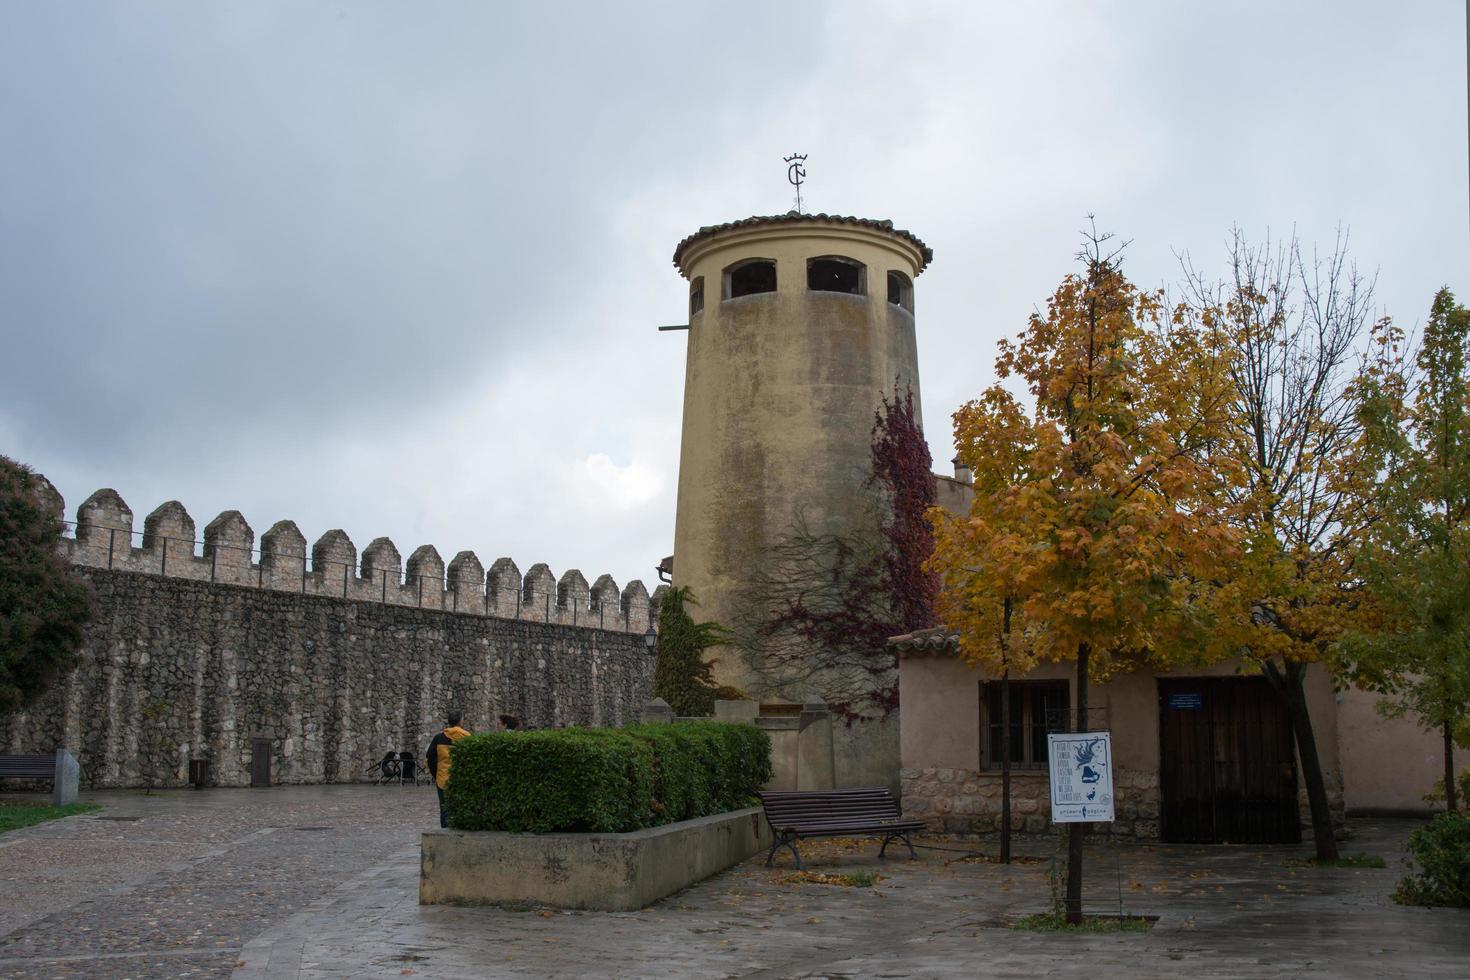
(798, 326)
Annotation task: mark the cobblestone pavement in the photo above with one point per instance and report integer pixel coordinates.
(245, 882)
(175, 883)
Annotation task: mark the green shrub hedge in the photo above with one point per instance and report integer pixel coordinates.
(604, 779)
(1440, 865)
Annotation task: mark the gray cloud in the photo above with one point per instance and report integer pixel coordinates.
(396, 268)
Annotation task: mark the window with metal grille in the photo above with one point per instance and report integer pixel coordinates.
(1037, 707)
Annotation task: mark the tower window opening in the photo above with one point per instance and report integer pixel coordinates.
(696, 295)
(750, 276)
(900, 291)
(833, 274)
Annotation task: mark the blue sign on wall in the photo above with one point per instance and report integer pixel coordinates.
(1186, 702)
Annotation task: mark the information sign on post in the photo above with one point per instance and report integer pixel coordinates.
(1081, 777)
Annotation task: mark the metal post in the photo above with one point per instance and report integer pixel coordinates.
(303, 573)
(421, 590)
(518, 602)
(548, 607)
(260, 572)
(385, 585)
(455, 604)
(213, 561)
(344, 580)
(163, 562)
(111, 537)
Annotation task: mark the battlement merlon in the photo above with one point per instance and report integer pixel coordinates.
(102, 536)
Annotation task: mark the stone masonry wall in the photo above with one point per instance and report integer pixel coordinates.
(102, 536)
(964, 801)
(174, 669)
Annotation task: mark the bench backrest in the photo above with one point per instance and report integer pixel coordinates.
(31, 766)
(787, 808)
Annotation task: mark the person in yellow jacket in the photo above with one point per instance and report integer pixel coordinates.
(439, 757)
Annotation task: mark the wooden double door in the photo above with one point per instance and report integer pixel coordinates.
(1227, 767)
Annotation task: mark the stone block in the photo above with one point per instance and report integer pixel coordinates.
(657, 712)
(104, 529)
(68, 774)
(425, 577)
(635, 606)
(538, 589)
(1036, 823)
(744, 712)
(503, 588)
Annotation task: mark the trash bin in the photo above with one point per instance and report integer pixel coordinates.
(198, 772)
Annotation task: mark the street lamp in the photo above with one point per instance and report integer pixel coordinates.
(650, 639)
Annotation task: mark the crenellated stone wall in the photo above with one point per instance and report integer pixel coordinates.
(102, 536)
(175, 669)
(330, 657)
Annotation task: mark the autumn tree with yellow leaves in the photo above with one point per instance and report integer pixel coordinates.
(1097, 512)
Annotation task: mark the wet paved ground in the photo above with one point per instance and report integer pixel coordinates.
(322, 882)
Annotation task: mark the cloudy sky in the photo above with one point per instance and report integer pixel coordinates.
(396, 268)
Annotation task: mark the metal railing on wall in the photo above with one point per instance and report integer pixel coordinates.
(526, 597)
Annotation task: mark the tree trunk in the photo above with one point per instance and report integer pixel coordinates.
(1290, 684)
(1451, 802)
(1005, 766)
(1075, 830)
(1005, 744)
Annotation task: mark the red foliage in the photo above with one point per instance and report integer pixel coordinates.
(866, 595)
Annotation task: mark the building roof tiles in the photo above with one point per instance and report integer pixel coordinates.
(792, 217)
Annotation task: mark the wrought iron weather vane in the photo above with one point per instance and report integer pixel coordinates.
(795, 174)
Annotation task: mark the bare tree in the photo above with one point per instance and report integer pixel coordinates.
(1295, 324)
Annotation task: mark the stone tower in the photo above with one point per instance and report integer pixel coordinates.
(798, 325)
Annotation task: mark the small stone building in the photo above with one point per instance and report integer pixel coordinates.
(1204, 756)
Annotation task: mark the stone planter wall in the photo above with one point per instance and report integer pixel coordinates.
(610, 872)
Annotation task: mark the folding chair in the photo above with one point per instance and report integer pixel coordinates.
(386, 768)
(408, 768)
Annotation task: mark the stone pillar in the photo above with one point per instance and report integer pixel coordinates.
(64, 788)
(657, 712)
(815, 768)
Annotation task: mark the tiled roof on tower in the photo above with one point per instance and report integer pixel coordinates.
(793, 217)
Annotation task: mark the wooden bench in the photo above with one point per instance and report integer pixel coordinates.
(58, 767)
(835, 813)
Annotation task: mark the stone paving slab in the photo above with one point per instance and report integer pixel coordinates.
(1222, 912)
(321, 882)
(181, 880)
